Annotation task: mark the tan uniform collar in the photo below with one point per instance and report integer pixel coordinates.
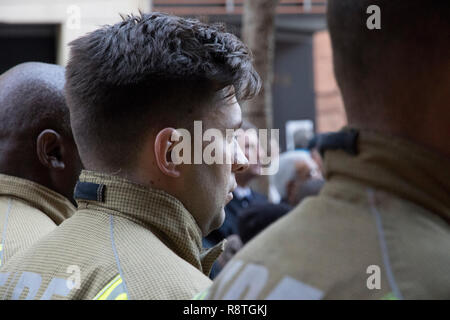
(154, 209)
(54, 205)
(397, 166)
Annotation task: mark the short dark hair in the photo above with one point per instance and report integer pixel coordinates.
(394, 60)
(148, 72)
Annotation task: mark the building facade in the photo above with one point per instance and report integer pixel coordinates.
(304, 87)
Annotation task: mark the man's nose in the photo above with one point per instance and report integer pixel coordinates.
(241, 162)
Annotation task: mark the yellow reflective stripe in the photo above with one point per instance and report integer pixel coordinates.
(122, 296)
(389, 296)
(201, 295)
(1, 248)
(105, 292)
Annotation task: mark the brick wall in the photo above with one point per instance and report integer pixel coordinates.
(330, 113)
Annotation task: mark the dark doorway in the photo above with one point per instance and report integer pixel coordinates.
(293, 89)
(27, 42)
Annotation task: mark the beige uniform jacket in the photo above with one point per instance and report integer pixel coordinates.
(28, 211)
(378, 230)
(124, 242)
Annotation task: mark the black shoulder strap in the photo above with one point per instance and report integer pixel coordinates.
(344, 140)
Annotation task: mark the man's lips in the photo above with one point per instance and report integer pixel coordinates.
(230, 194)
(229, 197)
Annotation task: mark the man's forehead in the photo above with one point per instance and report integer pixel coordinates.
(235, 115)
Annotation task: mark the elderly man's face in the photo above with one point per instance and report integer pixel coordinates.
(252, 151)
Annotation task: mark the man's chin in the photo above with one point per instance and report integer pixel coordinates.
(218, 221)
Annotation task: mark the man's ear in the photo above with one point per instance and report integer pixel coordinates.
(163, 150)
(49, 148)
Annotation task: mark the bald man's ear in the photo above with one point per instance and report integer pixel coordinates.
(50, 149)
(163, 149)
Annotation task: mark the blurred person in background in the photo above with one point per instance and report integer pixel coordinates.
(379, 228)
(315, 153)
(234, 244)
(257, 218)
(296, 164)
(305, 182)
(302, 184)
(301, 138)
(39, 161)
(251, 221)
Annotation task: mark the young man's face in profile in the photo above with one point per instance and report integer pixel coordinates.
(211, 185)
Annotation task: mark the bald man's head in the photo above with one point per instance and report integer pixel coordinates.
(396, 78)
(31, 99)
(36, 141)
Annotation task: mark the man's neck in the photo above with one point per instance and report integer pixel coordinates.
(433, 139)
